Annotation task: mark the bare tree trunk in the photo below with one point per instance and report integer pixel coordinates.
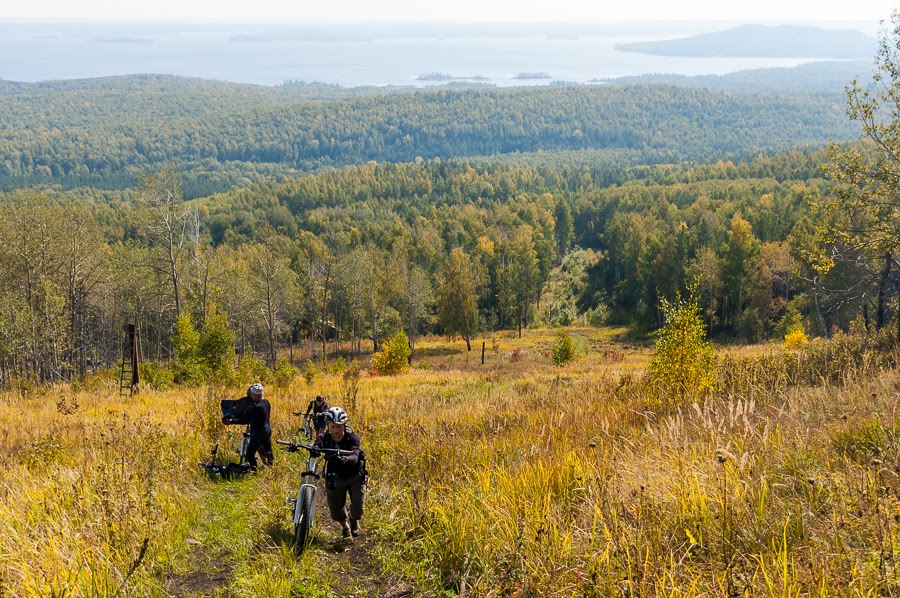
(271, 326)
(882, 286)
(819, 312)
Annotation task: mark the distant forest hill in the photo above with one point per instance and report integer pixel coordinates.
(105, 132)
(820, 77)
(779, 41)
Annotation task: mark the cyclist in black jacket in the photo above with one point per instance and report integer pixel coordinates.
(260, 429)
(343, 473)
(318, 408)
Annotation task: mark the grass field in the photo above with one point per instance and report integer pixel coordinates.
(512, 478)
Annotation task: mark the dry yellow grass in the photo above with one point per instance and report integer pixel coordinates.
(511, 479)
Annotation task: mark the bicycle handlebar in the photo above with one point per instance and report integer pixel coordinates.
(294, 446)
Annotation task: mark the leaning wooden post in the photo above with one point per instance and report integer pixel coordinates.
(134, 341)
(482, 352)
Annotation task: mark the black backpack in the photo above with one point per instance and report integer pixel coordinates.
(363, 467)
(237, 410)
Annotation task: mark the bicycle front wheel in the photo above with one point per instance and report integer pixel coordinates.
(304, 522)
(245, 442)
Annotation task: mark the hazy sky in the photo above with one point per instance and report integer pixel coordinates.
(451, 10)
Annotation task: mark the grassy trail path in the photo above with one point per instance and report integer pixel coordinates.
(236, 543)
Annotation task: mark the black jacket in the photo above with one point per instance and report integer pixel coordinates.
(258, 417)
(318, 412)
(346, 466)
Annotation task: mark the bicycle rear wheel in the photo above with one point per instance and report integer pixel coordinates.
(304, 522)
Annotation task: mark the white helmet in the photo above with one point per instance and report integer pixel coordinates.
(336, 415)
(256, 389)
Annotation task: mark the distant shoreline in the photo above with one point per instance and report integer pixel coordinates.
(438, 77)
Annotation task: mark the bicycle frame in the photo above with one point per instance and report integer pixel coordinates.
(307, 425)
(245, 441)
(308, 479)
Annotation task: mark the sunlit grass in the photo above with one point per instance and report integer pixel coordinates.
(514, 478)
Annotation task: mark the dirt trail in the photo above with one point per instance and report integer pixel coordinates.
(352, 563)
(208, 581)
(358, 575)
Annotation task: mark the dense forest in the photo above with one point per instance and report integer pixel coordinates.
(359, 253)
(317, 215)
(106, 132)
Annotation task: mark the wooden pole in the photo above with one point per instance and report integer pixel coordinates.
(482, 352)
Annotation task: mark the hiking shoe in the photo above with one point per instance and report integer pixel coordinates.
(345, 530)
(354, 527)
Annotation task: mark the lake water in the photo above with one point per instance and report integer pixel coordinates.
(348, 55)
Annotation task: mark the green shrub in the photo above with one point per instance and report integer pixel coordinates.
(563, 349)
(310, 371)
(101, 381)
(598, 316)
(187, 367)
(216, 347)
(252, 368)
(863, 442)
(683, 363)
(284, 372)
(793, 317)
(156, 376)
(339, 366)
(394, 357)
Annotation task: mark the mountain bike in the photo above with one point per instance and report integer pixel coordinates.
(245, 442)
(215, 469)
(307, 423)
(305, 502)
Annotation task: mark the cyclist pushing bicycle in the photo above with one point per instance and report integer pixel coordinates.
(344, 473)
(257, 419)
(317, 410)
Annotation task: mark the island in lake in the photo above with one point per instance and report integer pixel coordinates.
(532, 76)
(448, 77)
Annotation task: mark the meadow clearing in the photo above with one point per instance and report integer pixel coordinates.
(513, 478)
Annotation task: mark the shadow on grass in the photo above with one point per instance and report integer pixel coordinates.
(282, 534)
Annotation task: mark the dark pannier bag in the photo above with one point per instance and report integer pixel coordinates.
(363, 467)
(236, 410)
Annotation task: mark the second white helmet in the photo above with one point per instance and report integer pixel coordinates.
(337, 415)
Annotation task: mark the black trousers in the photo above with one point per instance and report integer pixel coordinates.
(262, 442)
(337, 499)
